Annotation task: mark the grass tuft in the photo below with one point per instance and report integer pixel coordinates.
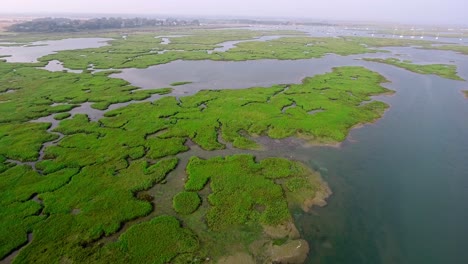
(186, 202)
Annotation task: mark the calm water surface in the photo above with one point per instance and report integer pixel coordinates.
(35, 50)
(401, 185)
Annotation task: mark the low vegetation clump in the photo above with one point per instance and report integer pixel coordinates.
(163, 147)
(62, 116)
(442, 70)
(180, 83)
(186, 202)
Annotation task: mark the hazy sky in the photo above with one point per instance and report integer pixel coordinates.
(437, 11)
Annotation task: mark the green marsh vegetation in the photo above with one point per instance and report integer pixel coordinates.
(22, 141)
(62, 116)
(161, 240)
(186, 202)
(278, 111)
(442, 70)
(293, 48)
(88, 182)
(140, 50)
(243, 190)
(248, 203)
(143, 50)
(38, 93)
(87, 185)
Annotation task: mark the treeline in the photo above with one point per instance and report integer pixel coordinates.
(72, 25)
(265, 22)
